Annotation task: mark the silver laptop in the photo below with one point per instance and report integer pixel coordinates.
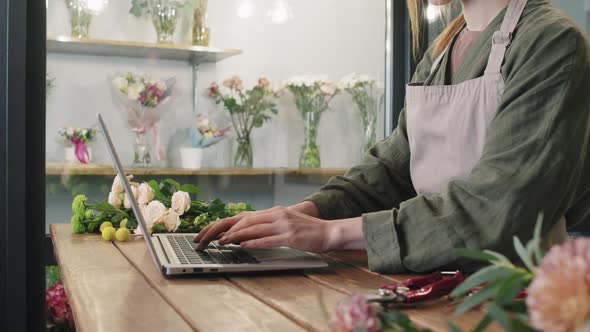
(175, 254)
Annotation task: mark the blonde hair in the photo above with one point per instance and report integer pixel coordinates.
(416, 11)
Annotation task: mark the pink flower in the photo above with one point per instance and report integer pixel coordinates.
(57, 303)
(263, 82)
(559, 296)
(213, 90)
(354, 314)
(234, 83)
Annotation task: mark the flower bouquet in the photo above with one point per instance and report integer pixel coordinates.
(166, 207)
(546, 293)
(368, 99)
(248, 109)
(145, 100)
(205, 134)
(79, 138)
(164, 14)
(312, 98)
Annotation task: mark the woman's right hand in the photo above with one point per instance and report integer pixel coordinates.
(215, 230)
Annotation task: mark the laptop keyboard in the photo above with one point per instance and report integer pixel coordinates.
(215, 254)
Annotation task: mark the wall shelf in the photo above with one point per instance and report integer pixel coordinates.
(58, 169)
(192, 54)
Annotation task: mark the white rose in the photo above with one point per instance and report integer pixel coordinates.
(181, 202)
(134, 91)
(117, 186)
(171, 220)
(127, 201)
(145, 194)
(161, 86)
(115, 199)
(153, 212)
(149, 224)
(120, 83)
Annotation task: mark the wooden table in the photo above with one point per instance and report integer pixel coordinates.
(116, 287)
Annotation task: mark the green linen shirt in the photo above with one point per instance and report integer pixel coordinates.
(535, 158)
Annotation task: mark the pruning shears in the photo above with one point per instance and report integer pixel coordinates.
(420, 289)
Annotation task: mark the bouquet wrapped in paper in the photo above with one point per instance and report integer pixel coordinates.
(206, 133)
(144, 100)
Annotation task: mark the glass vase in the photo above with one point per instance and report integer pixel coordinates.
(80, 18)
(201, 33)
(369, 125)
(142, 151)
(244, 156)
(164, 15)
(310, 151)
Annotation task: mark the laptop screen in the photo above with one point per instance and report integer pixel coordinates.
(127, 186)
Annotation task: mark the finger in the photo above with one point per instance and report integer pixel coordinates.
(274, 241)
(255, 219)
(218, 228)
(232, 220)
(254, 232)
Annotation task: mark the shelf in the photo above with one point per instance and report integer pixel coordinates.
(53, 169)
(192, 54)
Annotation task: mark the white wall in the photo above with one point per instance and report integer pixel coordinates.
(332, 37)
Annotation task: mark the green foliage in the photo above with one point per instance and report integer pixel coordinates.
(395, 321)
(146, 7)
(199, 215)
(502, 282)
(52, 276)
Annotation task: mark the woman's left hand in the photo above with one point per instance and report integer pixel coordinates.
(282, 227)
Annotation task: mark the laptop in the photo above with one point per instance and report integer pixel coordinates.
(175, 254)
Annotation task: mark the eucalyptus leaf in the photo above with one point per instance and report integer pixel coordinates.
(477, 298)
(499, 315)
(477, 255)
(510, 288)
(491, 273)
(483, 324)
(454, 328)
(522, 253)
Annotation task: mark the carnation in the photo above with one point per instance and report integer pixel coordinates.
(77, 226)
(57, 303)
(354, 314)
(352, 80)
(79, 205)
(559, 295)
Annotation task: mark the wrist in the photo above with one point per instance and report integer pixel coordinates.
(309, 208)
(345, 234)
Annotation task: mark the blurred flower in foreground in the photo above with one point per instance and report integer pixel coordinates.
(559, 296)
(57, 304)
(354, 314)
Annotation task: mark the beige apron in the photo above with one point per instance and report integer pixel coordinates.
(448, 124)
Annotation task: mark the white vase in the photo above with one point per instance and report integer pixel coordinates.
(191, 158)
(70, 155)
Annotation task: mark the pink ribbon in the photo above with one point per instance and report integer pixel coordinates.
(160, 153)
(81, 151)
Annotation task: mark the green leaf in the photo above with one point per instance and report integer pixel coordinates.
(483, 324)
(487, 274)
(173, 183)
(516, 307)
(499, 315)
(510, 289)
(157, 228)
(476, 255)
(454, 328)
(477, 299)
(522, 253)
(191, 189)
(537, 238)
(156, 188)
(499, 257)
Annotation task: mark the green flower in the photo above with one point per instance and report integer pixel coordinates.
(77, 225)
(79, 205)
(89, 214)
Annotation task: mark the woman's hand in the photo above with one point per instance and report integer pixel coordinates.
(217, 229)
(283, 227)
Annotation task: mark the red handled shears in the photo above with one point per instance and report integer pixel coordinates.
(418, 289)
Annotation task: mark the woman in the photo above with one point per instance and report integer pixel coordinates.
(496, 130)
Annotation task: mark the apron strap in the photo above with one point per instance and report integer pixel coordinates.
(503, 38)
